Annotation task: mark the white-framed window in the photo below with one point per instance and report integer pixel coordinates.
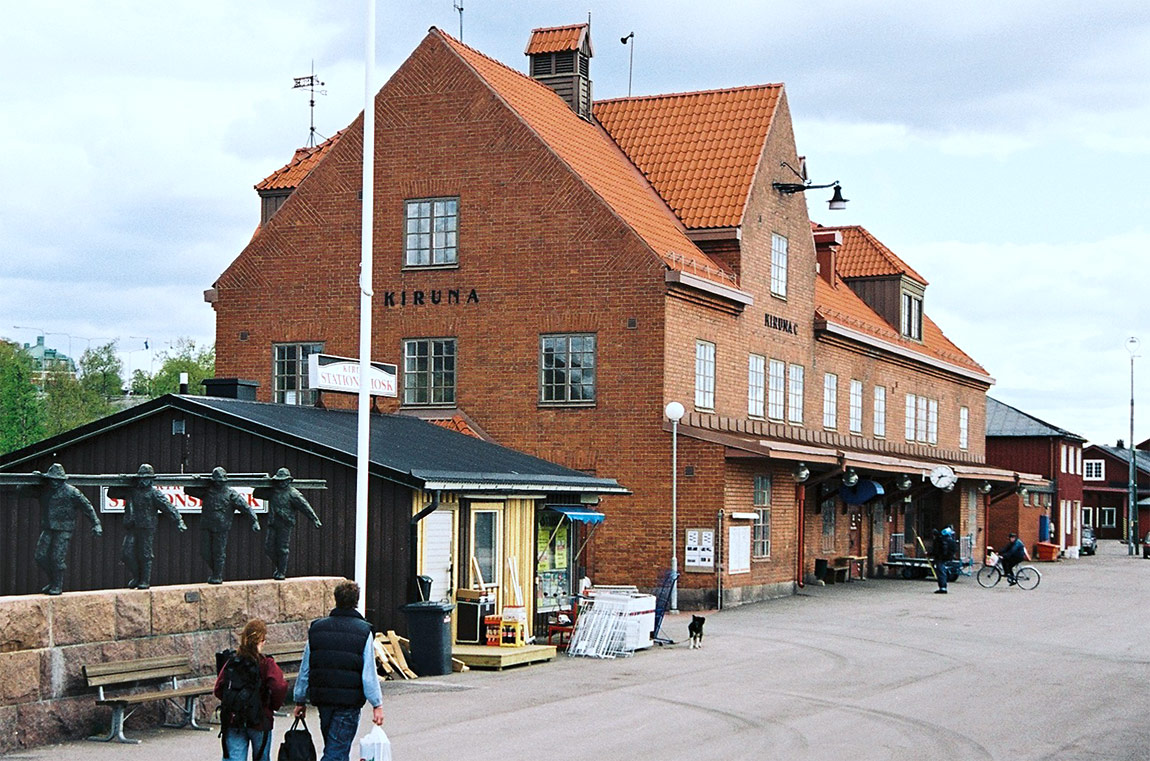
(880, 412)
(932, 421)
(912, 316)
(856, 401)
(1063, 449)
(830, 400)
(921, 419)
(1088, 517)
(756, 377)
(289, 372)
(431, 232)
(1109, 517)
(963, 427)
(778, 265)
(486, 536)
(1078, 460)
(761, 532)
(910, 416)
(567, 368)
(1093, 470)
(429, 371)
(704, 375)
(795, 394)
(777, 380)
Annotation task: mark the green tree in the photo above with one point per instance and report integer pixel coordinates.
(21, 408)
(101, 371)
(185, 357)
(69, 404)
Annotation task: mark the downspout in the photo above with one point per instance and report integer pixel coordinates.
(413, 592)
(719, 564)
(801, 501)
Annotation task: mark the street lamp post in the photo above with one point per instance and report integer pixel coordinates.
(674, 412)
(1132, 498)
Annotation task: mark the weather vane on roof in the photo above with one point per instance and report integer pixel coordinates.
(310, 83)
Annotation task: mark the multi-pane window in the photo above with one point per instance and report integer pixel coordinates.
(932, 421)
(432, 232)
(289, 373)
(1088, 517)
(921, 419)
(567, 368)
(1062, 448)
(879, 411)
(704, 375)
(856, 406)
(1109, 517)
(761, 536)
(795, 394)
(909, 417)
(912, 316)
(963, 427)
(1093, 470)
(830, 400)
(429, 371)
(756, 371)
(775, 394)
(778, 265)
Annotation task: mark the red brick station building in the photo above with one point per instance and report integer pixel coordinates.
(556, 270)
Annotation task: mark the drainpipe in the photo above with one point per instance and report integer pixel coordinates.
(719, 564)
(801, 502)
(413, 592)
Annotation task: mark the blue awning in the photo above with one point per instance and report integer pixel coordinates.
(864, 491)
(578, 513)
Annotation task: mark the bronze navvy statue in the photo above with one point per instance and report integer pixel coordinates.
(284, 501)
(143, 504)
(59, 503)
(220, 503)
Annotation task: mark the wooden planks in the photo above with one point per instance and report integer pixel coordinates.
(499, 658)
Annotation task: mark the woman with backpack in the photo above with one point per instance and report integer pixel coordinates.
(250, 687)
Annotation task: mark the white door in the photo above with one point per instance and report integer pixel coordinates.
(438, 531)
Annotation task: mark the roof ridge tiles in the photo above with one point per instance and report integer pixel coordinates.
(657, 96)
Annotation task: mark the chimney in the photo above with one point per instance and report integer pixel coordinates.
(561, 59)
(231, 388)
(827, 244)
(1120, 446)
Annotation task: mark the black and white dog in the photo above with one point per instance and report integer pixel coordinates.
(695, 630)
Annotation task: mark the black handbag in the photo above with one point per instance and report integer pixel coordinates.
(297, 744)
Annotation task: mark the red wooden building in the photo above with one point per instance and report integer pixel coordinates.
(1106, 489)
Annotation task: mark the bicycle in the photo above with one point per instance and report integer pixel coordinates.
(1025, 576)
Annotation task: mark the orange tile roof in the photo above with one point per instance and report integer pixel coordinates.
(556, 39)
(305, 159)
(590, 152)
(700, 149)
(455, 423)
(839, 304)
(863, 255)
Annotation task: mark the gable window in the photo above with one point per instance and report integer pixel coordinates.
(289, 373)
(795, 394)
(856, 401)
(567, 368)
(879, 412)
(775, 397)
(778, 265)
(756, 370)
(912, 316)
(704, 375)
(429, 371)
(830, 400)
(963, 427)
(761, 538)
(1093, 470)
(432, 230)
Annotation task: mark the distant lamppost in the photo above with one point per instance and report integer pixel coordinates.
(1132, 498)
(674, 412)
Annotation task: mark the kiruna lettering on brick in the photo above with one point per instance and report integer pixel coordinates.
(420, 298)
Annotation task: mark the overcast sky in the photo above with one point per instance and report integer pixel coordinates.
(999, 148)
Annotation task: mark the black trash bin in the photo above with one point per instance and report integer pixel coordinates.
(429, 630)
(424, 585)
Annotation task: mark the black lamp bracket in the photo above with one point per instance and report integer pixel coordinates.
(790, 188)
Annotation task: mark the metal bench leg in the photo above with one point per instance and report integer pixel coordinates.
(189, 715)
(116, 732)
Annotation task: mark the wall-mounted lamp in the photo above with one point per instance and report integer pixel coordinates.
(851, 477)
(903, 483)
(985, 487)
(802, 473)
(1023, 491)
(837, 202)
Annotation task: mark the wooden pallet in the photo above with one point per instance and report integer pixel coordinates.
(499, 658)
(391, 652)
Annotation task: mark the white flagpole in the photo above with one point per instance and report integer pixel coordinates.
(365, 292)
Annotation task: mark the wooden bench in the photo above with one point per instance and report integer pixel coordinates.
(287, 653)
(126, 673)
(837, 571)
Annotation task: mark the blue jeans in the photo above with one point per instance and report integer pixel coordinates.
(237, 740)
(940, 572)
(338, 726)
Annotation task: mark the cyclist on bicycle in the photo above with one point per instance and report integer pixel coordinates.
(1012, 554)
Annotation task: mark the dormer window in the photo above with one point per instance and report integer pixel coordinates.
(912, 315)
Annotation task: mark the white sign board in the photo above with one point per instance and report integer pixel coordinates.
(330, 373)
(700, 550)
(184, 503)
(739, 544)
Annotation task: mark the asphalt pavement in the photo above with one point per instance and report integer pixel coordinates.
(873, 669)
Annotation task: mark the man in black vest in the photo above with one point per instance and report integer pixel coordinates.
(337, 674)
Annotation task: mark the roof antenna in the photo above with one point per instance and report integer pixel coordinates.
(310, 83)
(630, 66)
(459, 7)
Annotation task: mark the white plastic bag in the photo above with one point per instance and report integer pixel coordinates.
(375, 746)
